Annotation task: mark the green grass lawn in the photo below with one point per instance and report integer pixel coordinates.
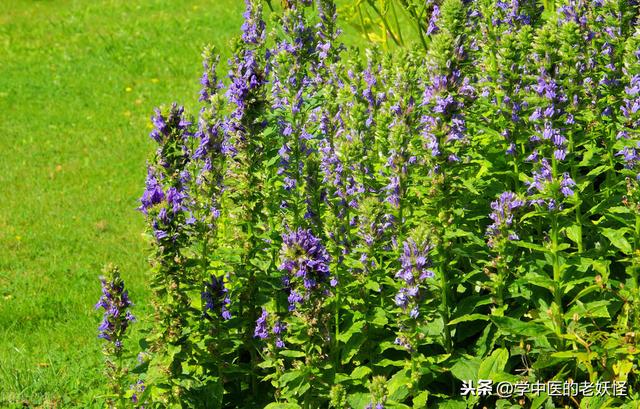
(78, 82)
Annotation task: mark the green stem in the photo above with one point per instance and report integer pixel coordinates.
(395, 17)
(579, 222)
(444, 284)
(557, 277)
(636, 272)
(574, 171)
(386, 25)
(557, 270)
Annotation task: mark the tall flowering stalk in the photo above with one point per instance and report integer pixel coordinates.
(293, 88)
(168, 204)
(247, 188)
(113, 329)
(302, 55)
(447, 94)
(629, 156)
(499, 234)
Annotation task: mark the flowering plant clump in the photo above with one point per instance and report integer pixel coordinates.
(113, 329)
(348, 230)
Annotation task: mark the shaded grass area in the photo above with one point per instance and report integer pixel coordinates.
(78, 82)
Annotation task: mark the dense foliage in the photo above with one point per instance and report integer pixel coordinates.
(348, 231)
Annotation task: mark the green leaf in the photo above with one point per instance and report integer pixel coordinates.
(596, 309)
(539, 401)
(352, 347)
(355, 328)
(530, 246)
(360, 372)
(380, 318)
(493, 364)
(388, 362)
(616, 237)
(516, 327)
(466, 368)
(619, 210)
(398, 385)
(358, 400)
(420, 400)
(573, 233)
(276, 405)
(470, 317)
(598, 170)
(452, 404)
(292, 354)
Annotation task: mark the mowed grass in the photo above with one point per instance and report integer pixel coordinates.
(78, 82)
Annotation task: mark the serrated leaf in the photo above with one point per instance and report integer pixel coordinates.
(530, 246)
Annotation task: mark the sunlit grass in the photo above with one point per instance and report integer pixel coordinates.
(78, 82)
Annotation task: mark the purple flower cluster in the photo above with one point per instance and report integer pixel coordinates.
(216, 299)
(247, 76)
(153, 193)
(415, 270)
(209, 80)
(445, 124)
(305, 261)
(262, 329)
(543, 179)
(502, 216)
(115, 302)
(138, 388)
(433, 28)
(631, 157)
(167, 180)
(630, 110)
(170, 126)
(253, 28)
(543, 116)
(510, 14)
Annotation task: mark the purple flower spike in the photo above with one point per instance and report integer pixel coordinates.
(261, 330)
(215, 299)
(306, 263)
(502, 216)
(115, 302)
(415, 270)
